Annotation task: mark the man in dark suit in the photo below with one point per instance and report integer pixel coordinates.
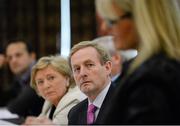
(21, 57)
(91, 66)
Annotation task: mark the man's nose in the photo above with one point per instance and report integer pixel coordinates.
(83, 71)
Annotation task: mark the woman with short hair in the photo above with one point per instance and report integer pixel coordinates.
(51, 78)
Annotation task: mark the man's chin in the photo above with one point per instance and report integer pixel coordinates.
(16, 72)
(85, 89)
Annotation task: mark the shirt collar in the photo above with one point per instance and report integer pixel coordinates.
(100, 98)
(24, 77)
(115, 77)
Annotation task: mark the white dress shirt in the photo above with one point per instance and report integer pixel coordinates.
(99, 99)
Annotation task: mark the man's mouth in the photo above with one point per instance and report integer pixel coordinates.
(85, 82)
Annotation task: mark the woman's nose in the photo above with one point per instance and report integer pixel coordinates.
(46, 84)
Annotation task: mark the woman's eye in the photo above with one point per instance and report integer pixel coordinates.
(51, 78)
(40, 82)
(75, 70)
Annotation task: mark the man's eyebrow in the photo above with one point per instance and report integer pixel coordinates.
(84, 62)
(88, 61)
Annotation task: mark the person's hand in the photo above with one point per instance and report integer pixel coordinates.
(37, 121)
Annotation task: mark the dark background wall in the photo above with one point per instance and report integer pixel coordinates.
(38, 21)
(83, 20)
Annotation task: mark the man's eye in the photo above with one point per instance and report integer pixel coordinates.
(18, 55)
(90, 65)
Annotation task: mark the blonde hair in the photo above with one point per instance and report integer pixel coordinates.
(157, 22)
(106, 11)
(58, 63)
(159, 28)
(104, 55)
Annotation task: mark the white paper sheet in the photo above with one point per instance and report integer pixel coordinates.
(6, 123)
(6, 114)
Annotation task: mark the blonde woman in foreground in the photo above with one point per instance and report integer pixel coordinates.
(149, 93)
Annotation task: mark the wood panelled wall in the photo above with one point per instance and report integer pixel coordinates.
(38, 21)
(83, 20)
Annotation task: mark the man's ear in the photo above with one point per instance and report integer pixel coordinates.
(33, 55)
(108, 66)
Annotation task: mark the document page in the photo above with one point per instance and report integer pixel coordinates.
(6, 123)
(6, 114)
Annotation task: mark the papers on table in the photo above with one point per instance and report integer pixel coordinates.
(6, 123)
(6, 114)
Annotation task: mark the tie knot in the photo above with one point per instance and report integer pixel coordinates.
(92, 108)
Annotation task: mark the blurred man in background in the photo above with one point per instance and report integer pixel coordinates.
(21, 57)
(116, 57)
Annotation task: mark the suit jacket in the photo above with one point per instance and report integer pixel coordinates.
(70, 99)
(27, 102)
(149, 95)
(25, 99)
(78, 114)
(125, 65)
(116, 81)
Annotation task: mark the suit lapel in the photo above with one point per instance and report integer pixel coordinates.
(105, 103)
(82, 118)
(117, 81)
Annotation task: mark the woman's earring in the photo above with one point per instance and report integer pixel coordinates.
(67, 83)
